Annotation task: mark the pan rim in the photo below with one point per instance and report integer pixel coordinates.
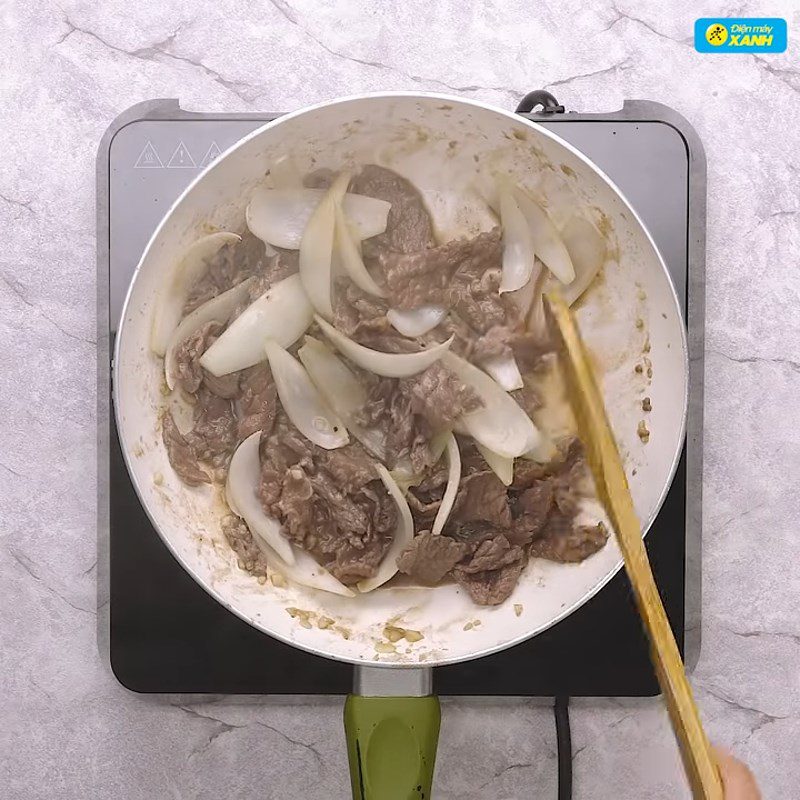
(340, 101)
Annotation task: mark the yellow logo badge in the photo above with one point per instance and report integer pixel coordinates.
(716, 34)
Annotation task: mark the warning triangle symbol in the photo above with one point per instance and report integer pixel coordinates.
(148, 158)
(181, 158)
(210, 155)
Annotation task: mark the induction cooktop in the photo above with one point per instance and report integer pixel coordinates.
(161, 632)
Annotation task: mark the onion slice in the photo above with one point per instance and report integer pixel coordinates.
(389, 365)
(241, 489)
(501, 466)
(403, 535)
(280, 216)
(178, 283)
(343, 391)
(304, 571)
(451, 490)
(302, 402)
(587, 249)
(284, 174)
(547, 243)
(348, 252)
(416, 321)
(504, 370)
(316, 248)
(518, 246)
(500, 424)
(282, 313)
(217, 309)
(543, 453)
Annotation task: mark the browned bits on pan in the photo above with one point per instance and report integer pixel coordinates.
(518, 609)
(638, 369)
(393, 634)
(644, 433)
(646, 404)
(639, 324)
(646, 346)
(277, 580)
(303, 617)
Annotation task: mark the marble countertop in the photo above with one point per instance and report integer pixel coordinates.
(69, 729)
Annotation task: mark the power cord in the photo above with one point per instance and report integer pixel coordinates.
(563, 747)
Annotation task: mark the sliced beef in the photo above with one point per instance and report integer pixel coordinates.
(423, 509)
(406, 434)
(229, 266)
(561, 540)
(387, 340)
(472, 459)
(419, 278)
(408, 226)
(531, 510)
(243, 543)
(568, 466)
(492, 554)
(493, 587)
(355, 312)
(410, 411)
(180, 453)
(507, 339)
(473, 291)
(272, 270)
(481, 497)
(429, 558)
(426, 497)
(294, 506)
(330, 503)
(463, 335)
(226, 386)
(258, 401)
(213, 438)
(527, 399)
(530, 350)
(496, 341)
(350, 466)
(188, 372)
(439, 396)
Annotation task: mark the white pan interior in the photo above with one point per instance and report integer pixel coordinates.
(445, 145)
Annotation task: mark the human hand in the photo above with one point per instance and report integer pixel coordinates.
(737, 779)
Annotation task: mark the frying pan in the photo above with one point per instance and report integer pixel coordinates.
(630, 319)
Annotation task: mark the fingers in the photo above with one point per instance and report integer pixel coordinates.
(737, 779)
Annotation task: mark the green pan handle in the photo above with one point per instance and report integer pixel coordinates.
(391, 746)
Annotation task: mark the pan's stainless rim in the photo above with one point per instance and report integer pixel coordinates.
(517, 119)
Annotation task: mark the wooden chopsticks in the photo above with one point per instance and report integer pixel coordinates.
(613, 491)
